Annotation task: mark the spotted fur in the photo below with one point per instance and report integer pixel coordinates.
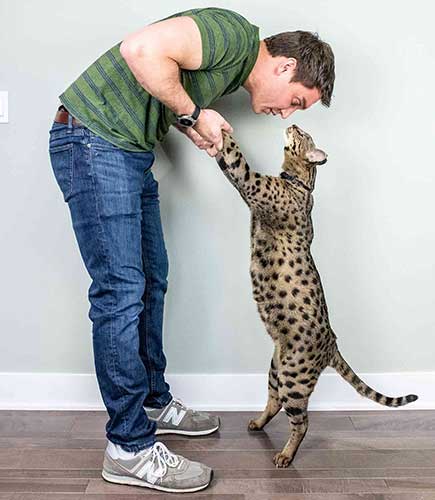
(287, 286)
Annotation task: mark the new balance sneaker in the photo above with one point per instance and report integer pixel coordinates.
(176, 418)
(155, 467)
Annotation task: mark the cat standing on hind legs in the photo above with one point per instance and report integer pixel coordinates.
(287, 286)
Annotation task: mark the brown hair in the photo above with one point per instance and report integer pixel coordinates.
(315, 59)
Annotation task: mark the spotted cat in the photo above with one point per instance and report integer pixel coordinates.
(287, 286)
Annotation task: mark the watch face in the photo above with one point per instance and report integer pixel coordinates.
(186, 122)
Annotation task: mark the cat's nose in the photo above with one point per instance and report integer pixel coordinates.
(323, 161)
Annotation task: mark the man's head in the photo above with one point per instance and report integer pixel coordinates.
(293, 71)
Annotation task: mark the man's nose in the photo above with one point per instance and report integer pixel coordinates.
(286, 113)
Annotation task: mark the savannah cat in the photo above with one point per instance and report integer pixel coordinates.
(286, 284)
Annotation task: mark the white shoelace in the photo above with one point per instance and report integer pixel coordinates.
(161, 459)
(185, 407)
(177, 400)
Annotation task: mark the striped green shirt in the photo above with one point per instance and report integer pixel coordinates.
(109, 100)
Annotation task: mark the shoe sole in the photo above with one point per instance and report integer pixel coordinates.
(186, 433)
(135, 481)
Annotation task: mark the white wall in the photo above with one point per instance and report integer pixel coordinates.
(374, 201)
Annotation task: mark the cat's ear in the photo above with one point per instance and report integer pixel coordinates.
(316, 156)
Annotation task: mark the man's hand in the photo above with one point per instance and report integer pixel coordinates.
(207, 132)
(209, 126)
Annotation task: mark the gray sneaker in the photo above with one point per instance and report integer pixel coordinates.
(176, 418)
(159, 469)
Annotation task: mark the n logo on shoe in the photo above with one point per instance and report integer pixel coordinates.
(145, 469)
(173, 416)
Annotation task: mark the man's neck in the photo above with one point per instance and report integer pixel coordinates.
(253, 75)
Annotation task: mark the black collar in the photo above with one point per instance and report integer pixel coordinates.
(292, 178)
(287, 176)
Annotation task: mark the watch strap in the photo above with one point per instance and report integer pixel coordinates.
(196, 112)
(193, 117)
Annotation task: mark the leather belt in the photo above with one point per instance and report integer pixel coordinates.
(62, 116)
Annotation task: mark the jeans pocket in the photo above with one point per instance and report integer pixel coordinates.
(61, 158)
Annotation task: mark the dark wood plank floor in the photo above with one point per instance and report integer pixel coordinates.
(370, 455)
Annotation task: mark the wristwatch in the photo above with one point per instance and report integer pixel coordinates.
(189, 120)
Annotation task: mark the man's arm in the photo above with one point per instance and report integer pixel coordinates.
(156, 53)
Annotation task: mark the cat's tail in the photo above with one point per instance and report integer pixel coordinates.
(340, 365)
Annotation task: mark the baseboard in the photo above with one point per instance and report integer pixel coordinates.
(231, 392)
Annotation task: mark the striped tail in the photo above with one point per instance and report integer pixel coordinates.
(339, 364)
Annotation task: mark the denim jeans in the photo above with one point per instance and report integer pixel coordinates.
(114, 205)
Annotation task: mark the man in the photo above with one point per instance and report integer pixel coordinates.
(101, 150)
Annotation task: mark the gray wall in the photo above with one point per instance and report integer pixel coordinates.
(374, 201)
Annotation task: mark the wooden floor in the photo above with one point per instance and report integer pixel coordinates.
(51, 455)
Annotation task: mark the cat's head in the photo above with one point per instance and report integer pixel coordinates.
(300, 154)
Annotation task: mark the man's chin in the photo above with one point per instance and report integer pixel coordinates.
(260, 110)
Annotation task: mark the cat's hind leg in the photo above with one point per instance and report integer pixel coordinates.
(296, 410)
(273, 401)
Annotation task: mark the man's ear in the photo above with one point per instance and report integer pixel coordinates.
(289, 65)
(316, 156)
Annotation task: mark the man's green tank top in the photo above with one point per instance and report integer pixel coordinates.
(109, 100)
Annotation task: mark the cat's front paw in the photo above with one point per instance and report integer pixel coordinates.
(281, 460)
(230, 148)
(253, 426)
(228, 140)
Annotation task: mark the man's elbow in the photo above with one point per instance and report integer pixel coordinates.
(129, 49)
(135, 47)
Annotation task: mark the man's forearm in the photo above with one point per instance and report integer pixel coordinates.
(163, 84)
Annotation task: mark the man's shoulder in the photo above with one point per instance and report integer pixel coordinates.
(216, 13)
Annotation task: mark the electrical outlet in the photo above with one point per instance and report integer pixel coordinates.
(4, 111)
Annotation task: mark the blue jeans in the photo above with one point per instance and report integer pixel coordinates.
(114, 204)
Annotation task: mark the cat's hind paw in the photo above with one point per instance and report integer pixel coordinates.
(253, 426)
(281, 460)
